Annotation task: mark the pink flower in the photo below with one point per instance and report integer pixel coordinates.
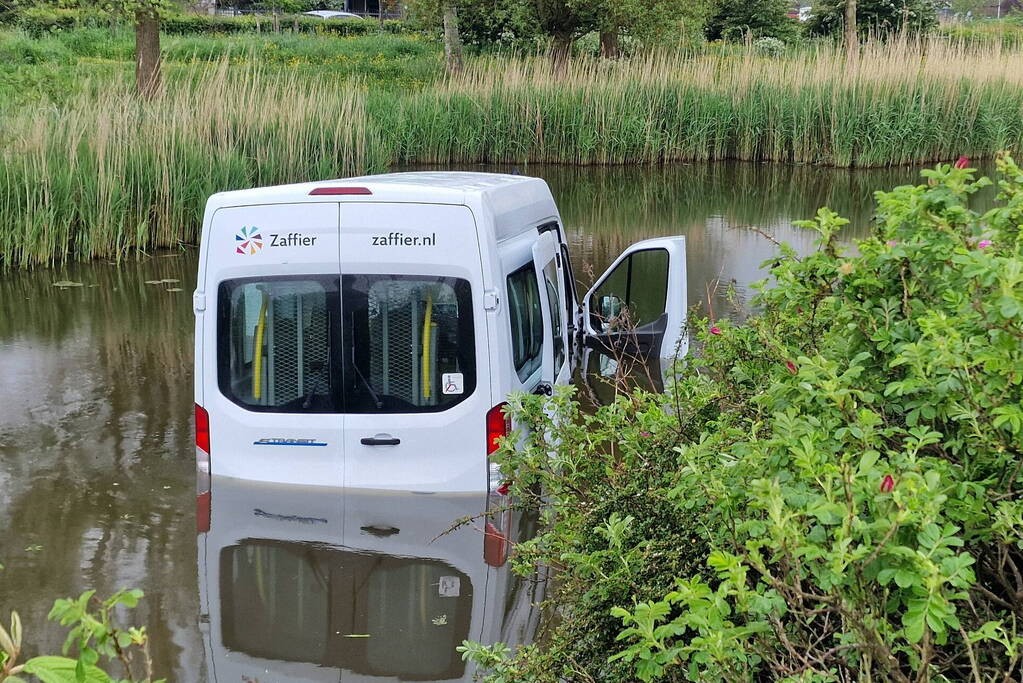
(644, 434)
(892, 243)
(984, 244)
(791, 366)
(887, 484)
(715, 330)
(963, 162)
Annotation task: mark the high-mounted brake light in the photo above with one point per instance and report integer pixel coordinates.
(498, 426)
(319, 191)
(202, 429)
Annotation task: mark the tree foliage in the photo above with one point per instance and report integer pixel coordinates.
(831, 491)
(742, 19)
(532, 23)
(874, 17)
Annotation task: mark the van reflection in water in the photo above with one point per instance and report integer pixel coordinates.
(324, 584)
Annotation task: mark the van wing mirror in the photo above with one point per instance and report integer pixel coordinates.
(638, 306)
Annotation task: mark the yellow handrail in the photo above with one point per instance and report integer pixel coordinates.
(427, 325)
(257, 352)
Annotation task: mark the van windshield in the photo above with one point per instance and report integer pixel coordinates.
(382, 344)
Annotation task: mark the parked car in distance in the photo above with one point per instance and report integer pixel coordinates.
(331, 14)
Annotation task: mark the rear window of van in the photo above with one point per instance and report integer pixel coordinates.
(359, 344)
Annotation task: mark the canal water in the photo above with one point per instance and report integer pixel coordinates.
(97, 458)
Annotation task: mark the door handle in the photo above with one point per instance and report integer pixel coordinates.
(380, 440)
(379, 530)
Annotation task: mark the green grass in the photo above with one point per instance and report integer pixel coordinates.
(55, 66)
(1008, 31)
(87, 170)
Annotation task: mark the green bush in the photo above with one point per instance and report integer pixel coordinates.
(95, 631)
(39, 21)
(21, 48)
(833, 489)
(208, 24)
(874, 17)
(769, 47)
(738, 20)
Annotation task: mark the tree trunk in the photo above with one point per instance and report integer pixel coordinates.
(561, 49)
(609, 47)
(452, 41)
(852, 39)
(147, 52)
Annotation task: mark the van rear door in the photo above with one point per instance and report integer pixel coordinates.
(269, 361)
(416, 367)
(638, 306)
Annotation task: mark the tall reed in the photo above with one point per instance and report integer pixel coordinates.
(897, 103)
(107, 175)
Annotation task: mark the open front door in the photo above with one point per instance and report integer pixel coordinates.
(638, 306)
(551, 279)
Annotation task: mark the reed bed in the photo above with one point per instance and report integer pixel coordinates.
(109, 175)
(898, 103)
(106, 175)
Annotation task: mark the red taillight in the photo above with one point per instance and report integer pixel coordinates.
(202, 469)
(495, 546)
(319, 191)
(202, 512)
(202, 429)
(498, 425)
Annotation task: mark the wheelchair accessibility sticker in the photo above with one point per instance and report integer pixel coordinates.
(452, 383)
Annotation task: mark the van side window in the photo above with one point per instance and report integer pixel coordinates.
(274, 343)
(526, 321)
(409, 343)
(636, 290)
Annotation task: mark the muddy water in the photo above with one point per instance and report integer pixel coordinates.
(96, 454)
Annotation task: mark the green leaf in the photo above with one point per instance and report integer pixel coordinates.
(914, 626)
(867, 461)
(53, 669)
(905, 578)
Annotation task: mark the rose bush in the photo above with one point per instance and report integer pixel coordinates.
(829, 492)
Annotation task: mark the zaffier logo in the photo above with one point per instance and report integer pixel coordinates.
(249, 240)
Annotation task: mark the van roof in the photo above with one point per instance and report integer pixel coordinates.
(517, 201)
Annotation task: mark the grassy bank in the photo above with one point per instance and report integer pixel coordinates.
(98, 173)
(54, 67)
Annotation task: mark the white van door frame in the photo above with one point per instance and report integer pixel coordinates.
(555, 366)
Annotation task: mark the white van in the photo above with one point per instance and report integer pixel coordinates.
(365, 333)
